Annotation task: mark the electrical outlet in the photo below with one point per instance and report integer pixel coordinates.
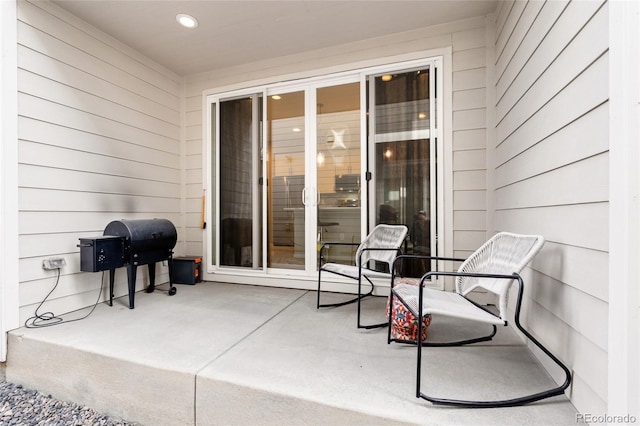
(54, 263)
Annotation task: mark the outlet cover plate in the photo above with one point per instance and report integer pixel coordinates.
(54, 263)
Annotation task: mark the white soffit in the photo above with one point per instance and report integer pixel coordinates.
(237, 32)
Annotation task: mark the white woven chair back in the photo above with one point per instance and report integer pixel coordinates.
(505, 253)
(382, 236)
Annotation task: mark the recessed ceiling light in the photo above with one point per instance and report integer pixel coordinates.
(387, 77)
(276, 97)
(186, 21)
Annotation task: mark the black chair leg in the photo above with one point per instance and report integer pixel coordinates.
(356, 299)
(359, 300)
(512, 402)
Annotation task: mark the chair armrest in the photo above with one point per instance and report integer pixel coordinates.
(403, 257)
(426, 276)
(338, 243)
(329, 243)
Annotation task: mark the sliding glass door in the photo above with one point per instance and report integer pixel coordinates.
(296, 165)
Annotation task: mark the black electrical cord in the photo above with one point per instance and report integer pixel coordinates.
(48, 319)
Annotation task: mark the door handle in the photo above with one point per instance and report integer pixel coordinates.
(304, 196)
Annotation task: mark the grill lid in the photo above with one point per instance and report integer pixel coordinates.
(144, 235)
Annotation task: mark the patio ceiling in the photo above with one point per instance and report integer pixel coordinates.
(236, 32)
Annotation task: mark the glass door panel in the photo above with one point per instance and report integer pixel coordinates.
(286, 175)
(338, 169)
(404, 158)
(239, 191)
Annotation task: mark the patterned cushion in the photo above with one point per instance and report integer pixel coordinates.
(404, 325)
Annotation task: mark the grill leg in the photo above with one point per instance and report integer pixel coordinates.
(131, 275)
(112, 277)
(152, 277)
(172, 289)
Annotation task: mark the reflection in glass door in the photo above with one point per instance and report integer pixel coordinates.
(402, 115)
(286, 176)
(338, 169)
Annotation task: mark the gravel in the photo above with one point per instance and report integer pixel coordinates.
(24, 407)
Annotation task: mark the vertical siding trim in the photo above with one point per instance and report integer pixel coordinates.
(9, 265)
(624, 222)
(445, 209)
(182, 226)
(490, 135)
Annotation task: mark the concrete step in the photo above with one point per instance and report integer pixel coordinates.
(217, 354)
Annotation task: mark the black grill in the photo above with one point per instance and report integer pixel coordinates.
(146, 241)
(130, 243)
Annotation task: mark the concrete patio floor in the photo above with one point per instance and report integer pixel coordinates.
(226, 354)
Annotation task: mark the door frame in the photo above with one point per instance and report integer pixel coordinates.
(295, 279)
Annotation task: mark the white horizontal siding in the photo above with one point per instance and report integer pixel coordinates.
(509, 26)
(559, 111)
(45, 177)
(551, 175)
(468, 175)
(470, 220)
(93, 42)
(588, 372)
(505, 51)
(92, 124)
(469, 139)
(583, 138)
(85, 81)
(578, 224)
(471, 159)
(576, 183)
(99, 130)
(572, 265)
(470, 200)
(587, 46)
(470, 99)
(42, 88)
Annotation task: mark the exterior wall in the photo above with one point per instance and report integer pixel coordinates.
(550, 164)
(99, 130)
(466, 194)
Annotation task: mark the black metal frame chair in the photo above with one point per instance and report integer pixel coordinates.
(493, 267)
(382, 244)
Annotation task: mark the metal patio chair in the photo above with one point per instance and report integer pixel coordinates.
(493, 267)
(382, 245)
